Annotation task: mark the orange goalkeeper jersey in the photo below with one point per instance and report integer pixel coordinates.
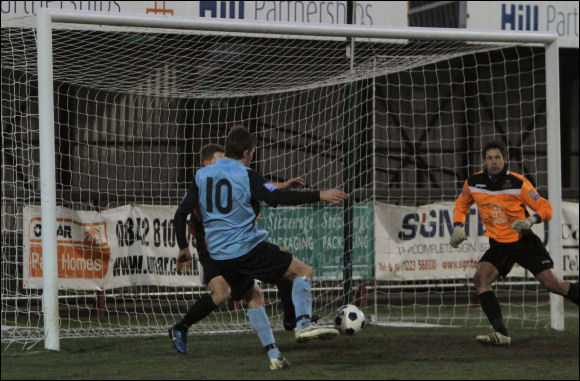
(500, 203)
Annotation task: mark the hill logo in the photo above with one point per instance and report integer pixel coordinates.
(222, 9)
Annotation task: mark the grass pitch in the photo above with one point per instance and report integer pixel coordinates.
(375, 353)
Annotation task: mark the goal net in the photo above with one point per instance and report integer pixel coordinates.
(399, 124)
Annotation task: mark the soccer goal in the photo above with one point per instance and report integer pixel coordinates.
(103, 118)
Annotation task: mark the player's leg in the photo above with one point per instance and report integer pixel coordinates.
(302, 298)
(298, 269)
(268, 263)
(301, 275)
(538, 261)
(285, 290)
(219, 293)
(485, 275)
(553, 284)
(261, 324)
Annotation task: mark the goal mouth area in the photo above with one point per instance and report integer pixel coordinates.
(400, 123)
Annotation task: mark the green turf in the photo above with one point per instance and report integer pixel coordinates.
(376, 353)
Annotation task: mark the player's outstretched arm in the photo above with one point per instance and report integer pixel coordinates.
(293, 183)
(462, 206)
(540, 205)
(334, 196)
(263, 190)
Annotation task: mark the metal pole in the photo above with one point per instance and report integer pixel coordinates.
(374, 179)
(47, 181)
(554, 177)
(245, 26)
(348, 154)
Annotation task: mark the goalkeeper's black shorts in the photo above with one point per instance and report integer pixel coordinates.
(529, 252)
(266, 262)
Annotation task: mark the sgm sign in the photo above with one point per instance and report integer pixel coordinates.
(413, 242)
(435, 222)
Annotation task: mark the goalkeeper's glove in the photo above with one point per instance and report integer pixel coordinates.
(457, 237)
(524, 225)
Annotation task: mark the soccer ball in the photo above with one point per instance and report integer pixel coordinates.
(349, 320)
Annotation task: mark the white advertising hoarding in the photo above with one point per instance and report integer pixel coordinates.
(133, 245)
(389, 13)
(413, 243)
(545, 16)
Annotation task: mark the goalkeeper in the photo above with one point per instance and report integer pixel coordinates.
(219, 288)
(501, 197)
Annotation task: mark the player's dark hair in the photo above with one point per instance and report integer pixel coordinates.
(495, 144)
(239, 139)
(208, 150)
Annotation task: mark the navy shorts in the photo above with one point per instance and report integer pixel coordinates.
(266, 262)
(210, 269)
(529, 252)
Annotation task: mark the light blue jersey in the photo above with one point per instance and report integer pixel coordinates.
(228, 210)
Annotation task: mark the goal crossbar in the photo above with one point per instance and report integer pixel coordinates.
(322, 30)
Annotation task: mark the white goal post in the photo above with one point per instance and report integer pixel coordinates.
(46, 18)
